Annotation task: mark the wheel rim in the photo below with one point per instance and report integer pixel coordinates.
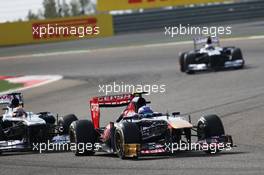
(73, 140)
(119, 144)
(200, 131)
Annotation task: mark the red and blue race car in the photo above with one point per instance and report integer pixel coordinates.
(140, 131)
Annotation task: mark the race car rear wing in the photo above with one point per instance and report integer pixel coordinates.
(107, 101)
(113, 100)
(200, 41)
(7, 98)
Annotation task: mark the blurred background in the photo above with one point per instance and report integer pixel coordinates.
(116, 17)
(17, 10)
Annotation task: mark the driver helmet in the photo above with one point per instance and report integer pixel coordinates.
(209, 40)
(145, 110)
(14, 103)
(21, 113)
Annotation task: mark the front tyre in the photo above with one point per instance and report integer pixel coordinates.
(237, 55)
(189, 59)
(210, 126)
(2, 134)
(181, 62)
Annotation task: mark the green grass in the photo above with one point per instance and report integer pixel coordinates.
(5, 85)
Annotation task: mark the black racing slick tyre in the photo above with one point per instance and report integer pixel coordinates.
(181, 62)
(48, 117)
(2, 134)
(209, 126)
(129, 133)
(65, 122)
(83, 136)
(189, 59)
(237, 55)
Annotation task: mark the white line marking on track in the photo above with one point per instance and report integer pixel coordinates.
(71, 52)
(48, 78)
(61, 53)
(190, 42)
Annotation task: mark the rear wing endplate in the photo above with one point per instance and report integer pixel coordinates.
(107, 101)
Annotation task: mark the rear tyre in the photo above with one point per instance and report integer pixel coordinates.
(210, 126)
(82, 133)
(48, 117)
(65, 122)
(128, 134)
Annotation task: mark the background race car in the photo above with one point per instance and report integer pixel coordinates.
(140, 132)
(208, 55)
(19, 129)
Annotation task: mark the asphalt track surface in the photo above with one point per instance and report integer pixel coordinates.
(236, 95)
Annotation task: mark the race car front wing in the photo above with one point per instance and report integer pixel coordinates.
(227, 64)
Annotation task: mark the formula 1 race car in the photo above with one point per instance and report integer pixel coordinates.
(140, 132)
(20, 130)
(210, 56)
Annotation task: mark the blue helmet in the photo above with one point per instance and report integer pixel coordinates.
(145, 110)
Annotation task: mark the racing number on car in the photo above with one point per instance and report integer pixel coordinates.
(94, 107)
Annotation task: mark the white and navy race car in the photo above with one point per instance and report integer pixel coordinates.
(20, 130)
(210, 56)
